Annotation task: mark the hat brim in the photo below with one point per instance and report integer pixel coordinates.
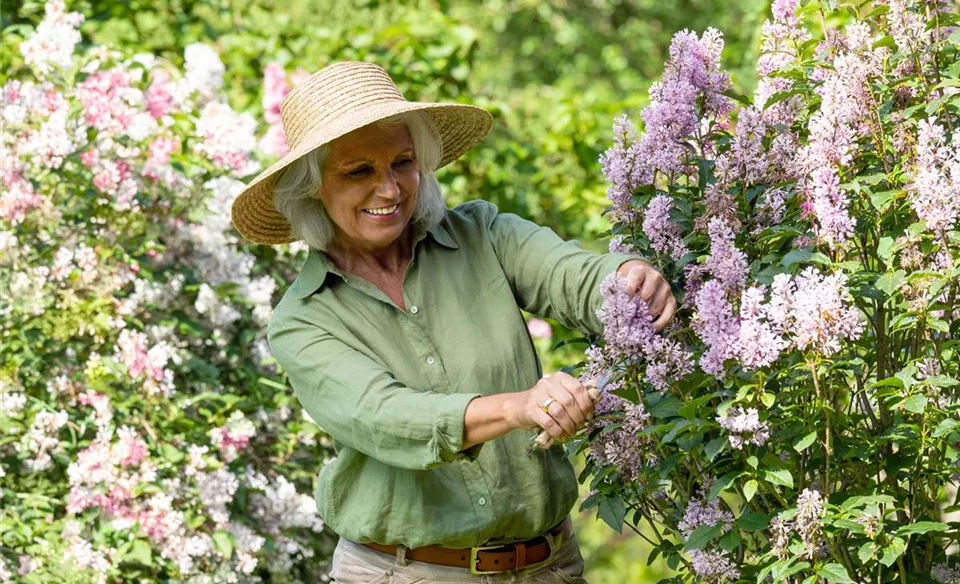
(256, 218)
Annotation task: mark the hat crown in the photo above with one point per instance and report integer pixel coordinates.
(333, 92)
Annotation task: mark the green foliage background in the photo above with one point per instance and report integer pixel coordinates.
(554, 74)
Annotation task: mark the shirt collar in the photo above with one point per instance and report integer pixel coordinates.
(318, 266)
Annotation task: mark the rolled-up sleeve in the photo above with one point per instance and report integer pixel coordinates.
(362, 406)
(550, 277)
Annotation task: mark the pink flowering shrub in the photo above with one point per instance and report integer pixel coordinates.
(144, 438)
(799, 420)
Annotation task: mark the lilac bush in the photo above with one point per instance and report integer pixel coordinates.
(144, 434)
(799, 421)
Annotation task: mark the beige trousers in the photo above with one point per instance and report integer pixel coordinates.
(356, 564)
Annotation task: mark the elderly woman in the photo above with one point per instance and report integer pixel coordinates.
(403, 338)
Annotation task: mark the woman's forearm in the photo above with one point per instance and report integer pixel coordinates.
(488, 417)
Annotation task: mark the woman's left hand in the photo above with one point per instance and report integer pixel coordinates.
(645, 281)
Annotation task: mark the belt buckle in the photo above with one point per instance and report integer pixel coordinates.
(474, 559)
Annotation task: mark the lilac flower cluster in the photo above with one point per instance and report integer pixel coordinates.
(692, 79)
(625, 448)
(809, 521)
(830, 207)
(665, 236)
(935, 190)
(744, 426)
(717, 326)
(713, 565)
(629, 333)
(815, 309)
(944, 574)
(809, 311)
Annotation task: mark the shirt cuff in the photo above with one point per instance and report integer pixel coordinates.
(448, 433)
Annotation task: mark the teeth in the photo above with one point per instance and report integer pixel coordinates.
(385, 211)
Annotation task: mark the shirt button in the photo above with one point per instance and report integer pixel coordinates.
(430, 360)
(482, 501)
(414, 310)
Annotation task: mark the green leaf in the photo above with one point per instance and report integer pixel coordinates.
(867, 552)
(722, 484)
(797, 256)
(804, 442)
(779, 476)
(885, 249)
(701, 536)
(223, 541)
(612, 511)
(714, 447)
(836, 573)
(141, 552)
(946, 427)
(750, 489)
(922, 527)
(753, 521)
(893, 551)
(667, 407)
(891, 281)
(171, 453)
(915, 403)
(730, 540)
(768, 399)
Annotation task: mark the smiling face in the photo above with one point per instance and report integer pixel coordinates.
(370, 183)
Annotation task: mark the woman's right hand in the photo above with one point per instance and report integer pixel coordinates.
(570, 410)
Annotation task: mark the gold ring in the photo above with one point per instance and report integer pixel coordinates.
(545, 406)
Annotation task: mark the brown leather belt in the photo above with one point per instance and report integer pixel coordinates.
(485, 559)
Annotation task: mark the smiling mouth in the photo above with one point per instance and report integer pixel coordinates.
(382, 210)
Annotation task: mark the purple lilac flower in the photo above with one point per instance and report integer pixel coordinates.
(770, 209)
(744, 426)
(665, 236)
(745, 161)
(944, 574)
(619, 245)
(628, 332)
(727, 263)
(714, 565)
(692, 76)
(717, 326)
(622, 170)
(935, 190)
(830, 207)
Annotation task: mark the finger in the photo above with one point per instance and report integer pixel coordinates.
(582, 408)
(649, 290)
(562, 418)
(549, 425)
(667, 315)
(660, 301)
(635, 279)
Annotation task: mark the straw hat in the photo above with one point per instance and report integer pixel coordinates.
(332, 102)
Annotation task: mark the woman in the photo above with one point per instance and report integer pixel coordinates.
(403, 339)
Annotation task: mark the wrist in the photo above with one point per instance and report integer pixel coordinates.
(510, 405)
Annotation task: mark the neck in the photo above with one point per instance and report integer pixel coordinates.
(391, 259)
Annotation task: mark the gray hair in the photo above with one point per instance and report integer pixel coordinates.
(297, 185)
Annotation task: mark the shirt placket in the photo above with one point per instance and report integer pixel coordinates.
(415, 323)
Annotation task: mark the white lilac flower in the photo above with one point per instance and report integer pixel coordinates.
(216, 490)
(204, 69)
(944, 574)
(53, 42)
(744, 426)
(809, 520)
(281, 507)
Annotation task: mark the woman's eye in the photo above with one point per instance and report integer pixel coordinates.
(362, 171)
(404, 162)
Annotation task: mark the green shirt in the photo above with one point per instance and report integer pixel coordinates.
(392, 387)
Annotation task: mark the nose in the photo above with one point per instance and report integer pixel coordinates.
(388, 187)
